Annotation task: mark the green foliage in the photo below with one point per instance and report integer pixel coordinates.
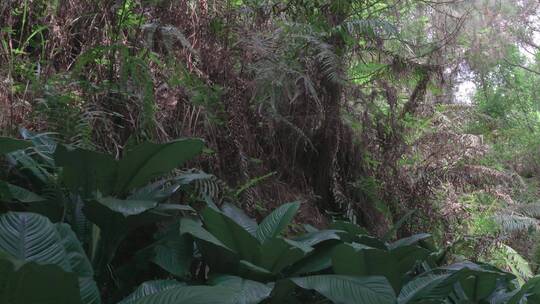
(8, 145)
(191, 294)
(133, 84)
(247, 262)
(252, 182)
(416, 127)
(95, 189)
(491, 218)
(314, 48)
(127, 16)
(201, 94)
(148, 161)
(367, 280)
(508, 112)
(509, 258)
(31, 238)
(348, 289)
(36, 283)
(149, 288)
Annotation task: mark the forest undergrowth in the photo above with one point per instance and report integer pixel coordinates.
(164, 132)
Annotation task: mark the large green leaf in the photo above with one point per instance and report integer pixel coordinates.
(476, 283)
(174, 256)
(8, 145)
(37, 283)
(216, 254)
(478, 286)
(88, 172)
(411, 240)
(350, 232)
(430, 286)
(318, 260)
(150, 288)
(504, 296)
(479, 281)
(149, 160)
(347, 289)
(79, 264)
(44, 144)
(126, 207)
(85, 171)
(364, 261)
(247, 291)
(188, 294)
(27, 162)
(277, 253)
(283, 292)
(195, 229)
(30, 237)
(390, 233)
(276, 221)
(371, 242)
(116, 218)
(10, 192)
(237, 215)
(531, 290)
(173, 252)
(158, 191)
(191, 175)
(24, 195)
(317, 237)
(231, 234)
(272, 256)
(164, 188)
(251, 271)
(408, 256)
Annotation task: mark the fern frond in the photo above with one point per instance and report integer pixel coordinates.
(510, 223)
(369, 27)
(170, 34)
(252, 182)
(281, 79)
(204, 186)
(43, 146)
(530, 210)
(329, 60)
(517, 264)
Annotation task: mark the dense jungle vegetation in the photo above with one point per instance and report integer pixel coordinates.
(265, 151)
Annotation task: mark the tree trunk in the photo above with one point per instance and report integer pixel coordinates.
(327, 142)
